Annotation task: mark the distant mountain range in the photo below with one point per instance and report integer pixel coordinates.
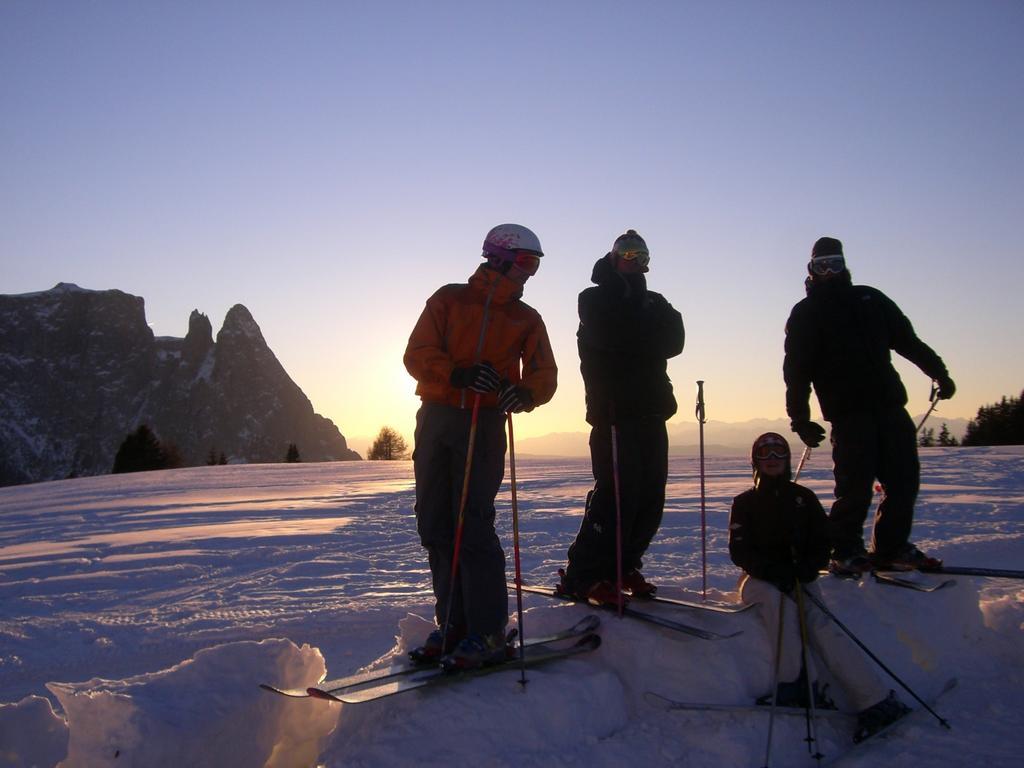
(720, 438)
(80, 369)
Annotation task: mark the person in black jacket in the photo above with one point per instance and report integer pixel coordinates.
(626, 336)
(839, 339)
(778, 536)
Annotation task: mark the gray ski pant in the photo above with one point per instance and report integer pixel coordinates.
(480, 596)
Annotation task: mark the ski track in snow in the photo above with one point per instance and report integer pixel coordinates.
(123, 576)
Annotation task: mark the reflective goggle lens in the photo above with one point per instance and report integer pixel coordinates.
(640, 257)
(528, 261)
(828, 265)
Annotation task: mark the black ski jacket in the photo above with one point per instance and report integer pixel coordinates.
(625, 337)
(778, 533)
(839, 339)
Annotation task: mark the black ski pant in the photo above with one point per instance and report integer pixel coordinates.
(866, 446)
(643, 470)
(479, 600)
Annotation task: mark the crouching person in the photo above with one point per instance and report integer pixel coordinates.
(778, 536)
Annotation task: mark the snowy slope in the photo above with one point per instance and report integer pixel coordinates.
(145, 609)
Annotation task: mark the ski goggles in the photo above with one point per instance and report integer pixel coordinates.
(771, 449)
(640, 257)
(827, 265)
(527, 261)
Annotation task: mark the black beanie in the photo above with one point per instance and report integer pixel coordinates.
(628, 241)
(827, 246)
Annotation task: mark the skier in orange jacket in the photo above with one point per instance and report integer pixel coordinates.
(474, 340)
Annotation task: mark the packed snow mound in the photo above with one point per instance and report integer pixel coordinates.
(205, 711)
(31, 733)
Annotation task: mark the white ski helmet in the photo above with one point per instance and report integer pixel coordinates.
(505, 239)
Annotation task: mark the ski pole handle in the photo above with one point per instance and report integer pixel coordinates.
(933, 398)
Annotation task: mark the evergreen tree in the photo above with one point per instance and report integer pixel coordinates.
(946, 439)
(141, 451)
(211, 458)
(292, 456)
(927, 439)
(388, 446)
(999, 424)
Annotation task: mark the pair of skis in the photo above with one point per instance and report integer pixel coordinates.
(668, 704)
(369, 686)
(653, 618)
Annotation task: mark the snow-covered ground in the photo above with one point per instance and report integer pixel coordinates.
(138, 614)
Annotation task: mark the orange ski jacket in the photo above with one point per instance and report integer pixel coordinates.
(482, 320)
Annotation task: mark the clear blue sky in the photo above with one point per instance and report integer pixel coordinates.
(329, 164)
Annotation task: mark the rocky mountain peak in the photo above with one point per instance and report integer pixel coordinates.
(80, 369)
(238, 322)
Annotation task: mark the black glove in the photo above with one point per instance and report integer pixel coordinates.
(946, 387)
(514, 399)
(480, 378)
(810, 432)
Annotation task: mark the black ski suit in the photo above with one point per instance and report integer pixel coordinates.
(777, 533)
(625, 337)
(839, 340)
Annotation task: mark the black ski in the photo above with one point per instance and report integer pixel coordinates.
(956, 570)
(584, 626)
(893, 726)
(899, 581)
(633, 613)
(535, 654)
(894, 579)
(664, 702)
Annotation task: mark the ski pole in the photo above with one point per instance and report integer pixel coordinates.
(515, 549)
(701, 419)
(803, 460)
(618, 516)
(812, 725)
(459, 521)
(934, 402)
(824, 609)
(775, 680)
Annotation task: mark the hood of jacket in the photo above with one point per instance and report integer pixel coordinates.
(605, 275)
(501, 288)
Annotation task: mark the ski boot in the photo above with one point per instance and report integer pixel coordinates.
(476, 651)
(794, 694)
(567, 588)
(907, 558)
(635, 583)
(879, 716)
(437, 645)
(851, 566)
(791, 694)
(605, 593)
